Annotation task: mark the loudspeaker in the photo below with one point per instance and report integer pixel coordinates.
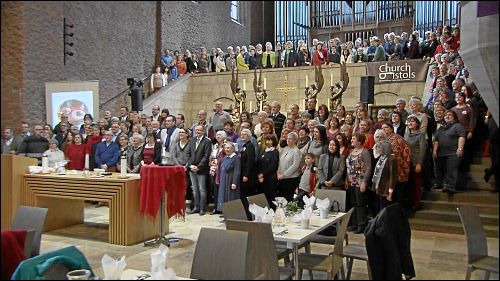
(136, 97)
(367, 89)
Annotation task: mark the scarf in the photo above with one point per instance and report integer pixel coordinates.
(378, 170)
(170, 131)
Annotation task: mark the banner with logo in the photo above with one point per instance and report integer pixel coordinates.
(398, 71)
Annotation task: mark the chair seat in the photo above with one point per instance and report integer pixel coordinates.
(318, 262)
(322, 239)
(487, 263)
(286, 273)
(356, 252)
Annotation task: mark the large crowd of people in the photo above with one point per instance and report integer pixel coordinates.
(391, 159)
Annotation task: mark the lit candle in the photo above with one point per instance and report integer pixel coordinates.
(265, 83)
(241, 107)
(307, 82)
(331, 79)
(244, 84)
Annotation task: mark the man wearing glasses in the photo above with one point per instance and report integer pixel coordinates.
(34, 145)
(64, 119)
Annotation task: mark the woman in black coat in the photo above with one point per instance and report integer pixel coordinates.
(267, 168)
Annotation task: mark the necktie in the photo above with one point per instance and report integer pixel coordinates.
(197, 142)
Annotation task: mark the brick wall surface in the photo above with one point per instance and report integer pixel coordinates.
(112, 42)
(12, 62)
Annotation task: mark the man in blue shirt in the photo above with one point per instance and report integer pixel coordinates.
(107, 153)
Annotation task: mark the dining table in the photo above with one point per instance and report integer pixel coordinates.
(294, 234)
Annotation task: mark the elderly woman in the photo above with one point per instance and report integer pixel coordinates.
(331, 168)
(418, 146)
(384, 175)
(448, 150)
(54, 154)
(134, 154)
(230, 176)
(359, 166)
(216, 157)
(289, 168)
(248, 167)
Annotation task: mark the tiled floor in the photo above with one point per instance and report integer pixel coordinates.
(436, 256)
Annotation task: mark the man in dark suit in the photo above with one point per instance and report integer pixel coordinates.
(198, 154)
(278, 117)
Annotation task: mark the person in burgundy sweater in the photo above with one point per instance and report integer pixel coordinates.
(75, 153)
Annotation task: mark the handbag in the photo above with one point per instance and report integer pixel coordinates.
(335, 208)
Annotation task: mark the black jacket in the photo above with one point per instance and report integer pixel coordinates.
(387, 239)
(199, 157)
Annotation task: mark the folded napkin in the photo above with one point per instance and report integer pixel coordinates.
(323, 203)
(309, 202)
(159, 270)
(304, 215)
(280, 201)
(112, 268)
(262, 214)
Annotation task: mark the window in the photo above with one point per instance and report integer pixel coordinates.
(235, 12)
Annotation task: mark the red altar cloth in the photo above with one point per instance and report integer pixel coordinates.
(12, 251)
(158, 179)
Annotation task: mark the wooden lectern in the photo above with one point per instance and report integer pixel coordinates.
(13, 169)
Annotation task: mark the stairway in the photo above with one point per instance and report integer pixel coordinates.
(439, 211)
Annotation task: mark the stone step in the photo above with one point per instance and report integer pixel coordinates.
(478, 197)
(490, 209)
(448, 227)
(452, 216)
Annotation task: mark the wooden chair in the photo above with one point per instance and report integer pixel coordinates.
(332, 263)
(259, 200)
(31, 218)
(261, 256)
(356, 252)
(477, 245)
(282, 251)
(333, 195)
(234, 210)
(220, 255)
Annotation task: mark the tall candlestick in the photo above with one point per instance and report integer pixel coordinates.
(241, 107)
(250, 106)
(265, 83)
(331, 79)
(307, 82)
(244, 84)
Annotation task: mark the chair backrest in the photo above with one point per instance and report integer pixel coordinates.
(29, 218)
(259, 200)
(51, 265)
(28, 242)
(234, 210)
(333, 195)
(262, 259)
(339, 239)
(220, 255)
(477, 245)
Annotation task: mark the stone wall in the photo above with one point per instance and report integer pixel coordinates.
(112, 42)
(200, 90)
